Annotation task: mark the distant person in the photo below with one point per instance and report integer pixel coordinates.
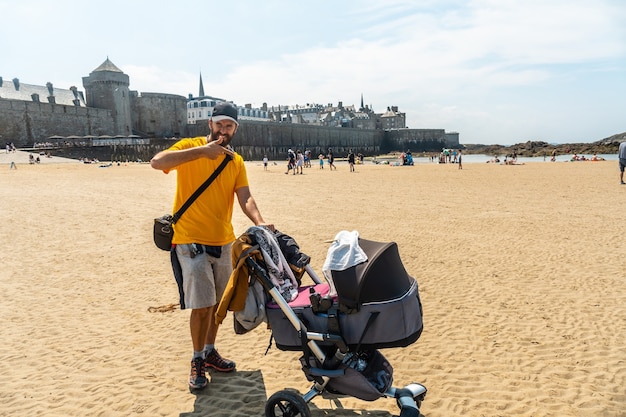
(553, 157)
(331, 159)
(299, 162)
(351, 160)
(407, 158)
(321, 158)
(291, 162)
(460, 156)
(265, 161)
(621, 154)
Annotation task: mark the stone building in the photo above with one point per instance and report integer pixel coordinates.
(393, 119)
(108, 108)
(106, 87)
(110, 114)
(29, 115)
(339, 116)
(145, 114)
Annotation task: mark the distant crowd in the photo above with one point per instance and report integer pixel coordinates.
(298, 160)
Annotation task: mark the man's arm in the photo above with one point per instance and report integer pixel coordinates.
(168, 159)
(250, 209)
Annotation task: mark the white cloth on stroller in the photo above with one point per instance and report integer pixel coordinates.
(277, 266)
(343, 253)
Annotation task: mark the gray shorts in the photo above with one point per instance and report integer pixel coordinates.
(622, 164)
(204, 277)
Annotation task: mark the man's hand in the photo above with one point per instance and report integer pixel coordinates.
(268, 225)
(214, 149)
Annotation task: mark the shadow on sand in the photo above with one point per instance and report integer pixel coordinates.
(243, 394)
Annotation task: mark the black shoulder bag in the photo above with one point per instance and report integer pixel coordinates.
(163, 230)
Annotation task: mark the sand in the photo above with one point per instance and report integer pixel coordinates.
(520, 268)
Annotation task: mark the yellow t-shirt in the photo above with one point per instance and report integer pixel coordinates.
(209, 218)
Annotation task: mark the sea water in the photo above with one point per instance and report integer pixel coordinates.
(481, 158)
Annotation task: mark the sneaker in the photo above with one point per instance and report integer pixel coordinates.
(197, 377)
(215, 361)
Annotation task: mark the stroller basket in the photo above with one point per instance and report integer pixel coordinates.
(368, 382)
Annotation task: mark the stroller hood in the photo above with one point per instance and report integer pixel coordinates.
(382, 277)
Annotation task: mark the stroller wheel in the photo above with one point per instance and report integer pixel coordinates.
(418, 401)
(410, 399)
(286, 404)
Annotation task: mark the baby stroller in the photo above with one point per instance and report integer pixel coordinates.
(338, 325)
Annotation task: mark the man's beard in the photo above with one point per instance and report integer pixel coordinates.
(226, 138)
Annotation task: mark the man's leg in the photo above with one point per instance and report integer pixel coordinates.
(196, 289)
(198, 325)
(222, 268)
(210, 333)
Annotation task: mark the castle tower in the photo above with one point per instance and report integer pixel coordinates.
(106, 87)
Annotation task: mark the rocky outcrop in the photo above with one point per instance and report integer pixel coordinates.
(538, 148)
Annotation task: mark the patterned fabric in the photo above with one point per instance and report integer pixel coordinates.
(277, 267)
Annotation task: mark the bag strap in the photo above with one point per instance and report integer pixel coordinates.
(201, 189)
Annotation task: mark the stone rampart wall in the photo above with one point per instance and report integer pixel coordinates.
(255, 139)
(24, 122)
(159, 115)
(114, 153)
(419, 140)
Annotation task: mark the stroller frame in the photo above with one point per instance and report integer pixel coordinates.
(290, 403)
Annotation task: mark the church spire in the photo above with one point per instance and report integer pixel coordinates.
(362, 107)
(201, 92)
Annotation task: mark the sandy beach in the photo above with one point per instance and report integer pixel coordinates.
(520, 268)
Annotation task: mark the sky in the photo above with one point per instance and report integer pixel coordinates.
(495, 71)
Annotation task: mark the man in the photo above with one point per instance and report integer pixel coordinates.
(621, 154)
(299, 162)
(201, 247)
(351, 160)
(291, 161)
(331, 159)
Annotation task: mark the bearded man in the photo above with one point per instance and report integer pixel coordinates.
(203, 236)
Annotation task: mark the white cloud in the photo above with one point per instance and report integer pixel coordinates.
(479, 67)
(154, 79)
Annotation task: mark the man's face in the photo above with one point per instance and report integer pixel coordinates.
(224, 129)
